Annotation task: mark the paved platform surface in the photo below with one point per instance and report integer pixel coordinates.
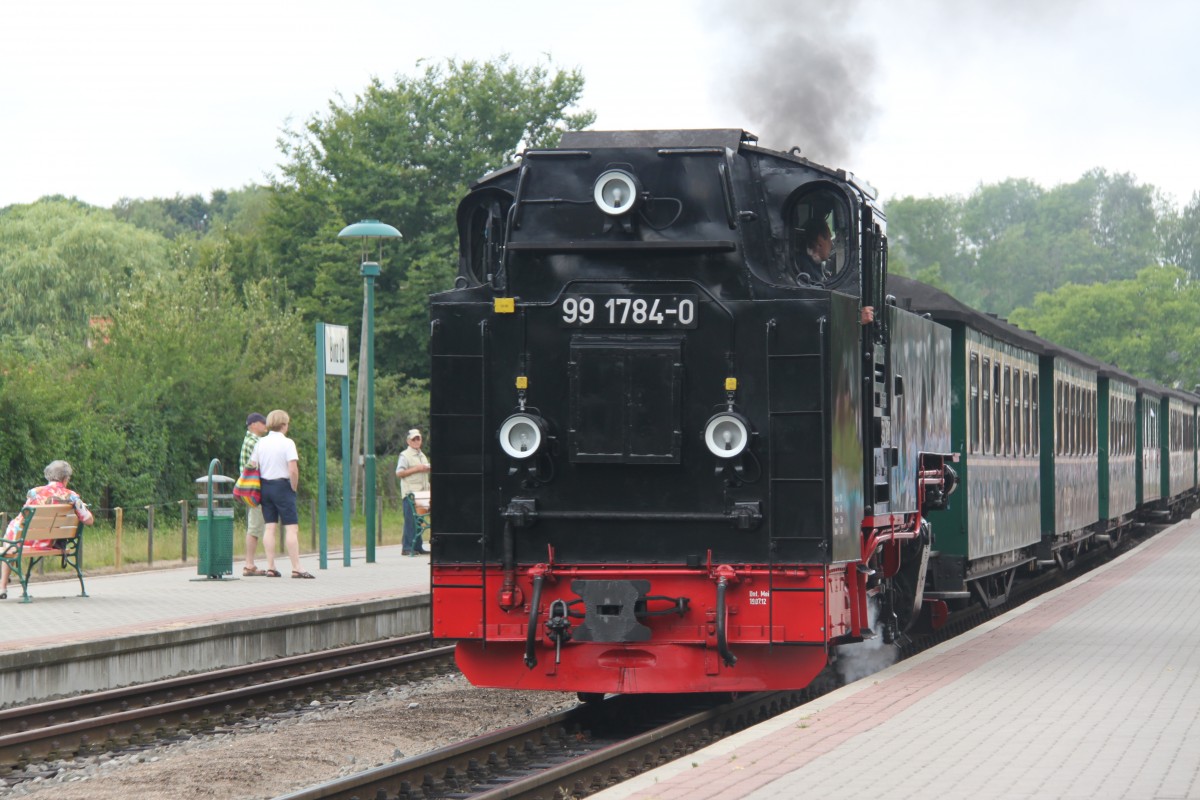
(149, 601)
(1091, 691)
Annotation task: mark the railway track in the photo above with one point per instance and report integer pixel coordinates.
(569, 754)
(138, 715)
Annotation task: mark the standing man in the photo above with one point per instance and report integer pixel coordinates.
(413, 471)
(256, 428)
(279, 464)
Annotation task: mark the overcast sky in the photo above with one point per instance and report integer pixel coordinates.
(104, 99)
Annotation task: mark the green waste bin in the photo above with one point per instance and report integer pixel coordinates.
(215, 523)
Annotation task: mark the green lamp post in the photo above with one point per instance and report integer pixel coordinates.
(366, 230)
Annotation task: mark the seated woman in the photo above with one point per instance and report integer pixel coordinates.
(55, 492)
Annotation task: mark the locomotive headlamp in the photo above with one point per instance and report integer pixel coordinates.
(726, 435)
(522, 434)
(616, 191)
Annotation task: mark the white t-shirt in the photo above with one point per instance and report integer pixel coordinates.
(272, 454)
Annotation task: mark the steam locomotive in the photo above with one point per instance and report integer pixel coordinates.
(686, 439)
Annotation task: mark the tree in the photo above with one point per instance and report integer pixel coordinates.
(186, 359)
(405, 154)
(925, 240)
(997, 249)
(63, 265)
(1181, 237)
(1145, 326)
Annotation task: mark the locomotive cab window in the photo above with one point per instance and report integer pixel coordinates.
(818, 224)
(484, 234)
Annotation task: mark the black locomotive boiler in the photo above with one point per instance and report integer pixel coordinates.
(676, 451)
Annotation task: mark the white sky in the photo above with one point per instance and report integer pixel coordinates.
(104, 99)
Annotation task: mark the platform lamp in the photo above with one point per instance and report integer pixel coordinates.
(366, 230)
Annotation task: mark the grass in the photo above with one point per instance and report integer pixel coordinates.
(100, 541)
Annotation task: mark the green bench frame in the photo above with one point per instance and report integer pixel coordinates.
(59, 523)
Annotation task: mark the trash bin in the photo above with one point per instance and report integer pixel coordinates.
(214, 518)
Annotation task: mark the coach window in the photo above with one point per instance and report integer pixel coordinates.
(1116, 436)
(986, 410)
(1093, 421)
(1017, 423)
(1080, 421)
(974, 370)
(818, 222)
(1007, 410)
(1118, 427)
(1077, 422)
(1060, 428)
(1069, 393)
(1126, 439)
(1028, 401)
(1127, 426)
(997, 409)
(1034, 416)
(1121, 426)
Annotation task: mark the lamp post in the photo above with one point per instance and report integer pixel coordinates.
(366, 230)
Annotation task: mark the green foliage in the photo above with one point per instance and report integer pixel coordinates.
(404, 153)
(399, 405)
(997, 249)
(1146, 325)
(186, 361)
(62, 267)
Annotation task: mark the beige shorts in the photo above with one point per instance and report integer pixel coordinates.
(254, 522)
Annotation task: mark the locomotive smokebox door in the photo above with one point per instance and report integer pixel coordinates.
(609, 615)
(626, 399)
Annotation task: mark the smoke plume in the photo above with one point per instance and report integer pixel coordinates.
(796, 74)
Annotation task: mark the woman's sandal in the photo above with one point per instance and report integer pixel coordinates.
(271, 573)
(250, 572)
(302, 574)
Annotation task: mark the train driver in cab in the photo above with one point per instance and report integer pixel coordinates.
(816, 243)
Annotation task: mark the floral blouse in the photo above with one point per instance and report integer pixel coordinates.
(48, 495)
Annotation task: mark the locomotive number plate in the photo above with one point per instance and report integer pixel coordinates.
(626, 311)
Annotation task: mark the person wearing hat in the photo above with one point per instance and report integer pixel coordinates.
(413, 471)
(256, 428)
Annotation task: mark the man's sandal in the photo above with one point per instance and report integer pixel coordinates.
(302, 574)
(271, 573)
(250, 572)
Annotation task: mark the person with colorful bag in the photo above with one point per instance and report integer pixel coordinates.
(277, 460)
(256, 428)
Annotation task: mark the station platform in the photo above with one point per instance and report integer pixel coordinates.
(149, 625)
(1090, 691)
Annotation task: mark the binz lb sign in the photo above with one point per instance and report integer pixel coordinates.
(337, 346)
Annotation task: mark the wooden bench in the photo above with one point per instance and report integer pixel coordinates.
(61, 535)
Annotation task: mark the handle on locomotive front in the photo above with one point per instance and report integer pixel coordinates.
(722, 639)
(531, 633)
